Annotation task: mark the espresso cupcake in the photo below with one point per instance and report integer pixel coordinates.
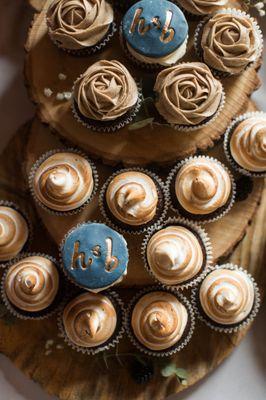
(92, 322)
(245, 144)
(228, 298)
(188, 96)
(63, 181)
(80, 27)
(201, 8)
(201, 188)
(159, 322)
(154, 34)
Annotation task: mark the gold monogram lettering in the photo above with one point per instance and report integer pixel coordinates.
(111, 262)
(167, 33)
(79, 258)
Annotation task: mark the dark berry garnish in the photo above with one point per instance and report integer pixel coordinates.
(141, 372)
(244, 186)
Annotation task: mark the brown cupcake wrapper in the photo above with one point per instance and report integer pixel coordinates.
(124, 228)
(200, 218)
(227, 138)
(199, 313)
(205, 244)
(27, 246)
(185, 339)
(111, 342)
(44, 157)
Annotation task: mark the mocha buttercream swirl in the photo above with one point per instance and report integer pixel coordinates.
(202, 185)
(227, 296)
(78, 24)
(132, 198)
(202, 7)
(248, 143)
(174, 255)
(32, 283)
(64, 181)
(230, 42)
(159, 320)
(106, 91)
(188, 94)
(14, 233)
(89, 320)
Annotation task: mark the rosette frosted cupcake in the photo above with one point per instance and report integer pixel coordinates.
(92, 322)
(159, 322)
(63, 181)
(201, 188)
(80, 26)
(106, 97)
(227, 299)
(245, 144)
(188, 95)
(200, 8)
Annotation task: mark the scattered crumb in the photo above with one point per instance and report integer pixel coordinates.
(62, 77)
(49, 343)
(67, 95)
(60, 96)
(48, 92)
(59, 347)
(48, 352)
(60, 335)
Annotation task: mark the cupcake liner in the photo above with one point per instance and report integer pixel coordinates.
(38, 315)
(202, 218)
(198, 35)
(199, 313)
(137, 230)
(227, 138)
(186, 337)
(44, 157)
(204, 242)
(26, 247)
(112, 341)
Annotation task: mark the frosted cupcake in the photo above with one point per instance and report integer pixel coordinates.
(200, 8)
(80, 26)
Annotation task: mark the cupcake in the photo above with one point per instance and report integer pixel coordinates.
(245, 144)
(133, 200)
(80, 26)
(94, 256)
(159, 322)
(106, 97)
(177, 253)
(92, 322)
(154, 34)
(228, 298)
(200, 8)
(31, 287)
(63, 181)
(201, 188)
(188, 96)
(229, 42)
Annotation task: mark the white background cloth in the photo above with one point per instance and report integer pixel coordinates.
(243, 375)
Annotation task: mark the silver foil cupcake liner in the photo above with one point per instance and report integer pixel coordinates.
(227, 138)
(43, 158)
(200, 218)
(227, 329)
(111, 342)
(123, 228)
(204, 242)
(179, 346)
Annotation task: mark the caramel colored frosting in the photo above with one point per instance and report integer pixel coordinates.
(202, 186)
(188, 94)
(106, 91)
(64, 181)
(248, 143)
(227, 296)
(78, 24)
(202, 7)
(132, 198)
(32, 283)
(230, 42)
(89, 320)
(174, 255)
(159, 320)
(14, 233)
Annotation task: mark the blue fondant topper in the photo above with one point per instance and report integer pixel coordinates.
(155, 28)
(94, 256)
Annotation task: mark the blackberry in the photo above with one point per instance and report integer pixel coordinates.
(140, 372)
(244, 186)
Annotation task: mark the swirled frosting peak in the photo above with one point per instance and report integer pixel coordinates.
(248, 143)
(202, 7)
(132, 197)
(202, 185)
(227, 296)
(77, 24)
(159, 320)
(64, 181)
